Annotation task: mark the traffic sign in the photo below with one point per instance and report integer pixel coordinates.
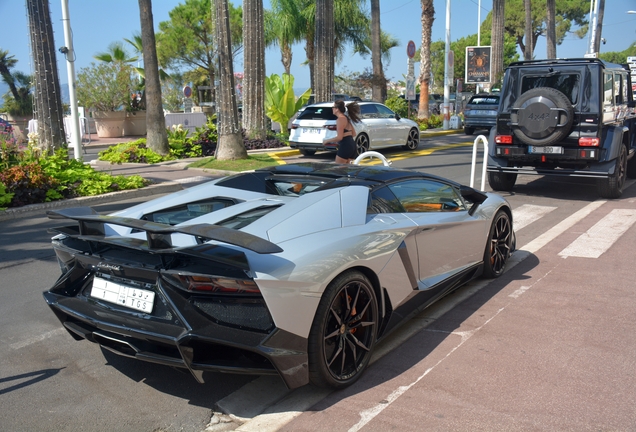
(410, 49)
(187, 91)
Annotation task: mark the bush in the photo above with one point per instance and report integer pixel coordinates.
(399, 105)
(33, 178)
(132, 152)
(28, 183)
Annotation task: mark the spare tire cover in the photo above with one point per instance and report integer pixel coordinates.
(542, 116)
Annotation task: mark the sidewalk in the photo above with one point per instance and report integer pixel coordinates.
(167, 177)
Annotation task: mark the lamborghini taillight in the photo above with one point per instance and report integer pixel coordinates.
(213, 284)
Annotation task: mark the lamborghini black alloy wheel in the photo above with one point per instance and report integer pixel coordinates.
(499, 245)
(344, 331)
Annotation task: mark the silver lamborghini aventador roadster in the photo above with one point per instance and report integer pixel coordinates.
(295, 270)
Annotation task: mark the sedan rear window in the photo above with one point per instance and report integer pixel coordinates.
(317, 113)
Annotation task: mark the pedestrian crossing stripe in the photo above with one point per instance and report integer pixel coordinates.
(528, 213)
(599, 238)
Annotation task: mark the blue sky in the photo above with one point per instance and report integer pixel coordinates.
(97, 23)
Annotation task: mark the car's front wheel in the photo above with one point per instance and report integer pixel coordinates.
(500, 245)
(344, 331)
(413, 140)
(469, 130)
(362, 144)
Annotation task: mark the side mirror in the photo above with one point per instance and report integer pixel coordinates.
(397, 116)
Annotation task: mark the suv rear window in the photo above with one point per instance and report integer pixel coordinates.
(568, 84)
(317, 113)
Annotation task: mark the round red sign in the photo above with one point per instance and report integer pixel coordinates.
(410, 49)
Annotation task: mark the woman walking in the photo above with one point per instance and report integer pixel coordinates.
(345, 132)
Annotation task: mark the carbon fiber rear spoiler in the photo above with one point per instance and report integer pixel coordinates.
(91, 227)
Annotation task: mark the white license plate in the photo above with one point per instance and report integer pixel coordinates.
(311, 130)
(112, 292)
(545, 150)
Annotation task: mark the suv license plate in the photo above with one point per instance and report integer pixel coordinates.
(311, 130)
(545, 150)
(134, 298)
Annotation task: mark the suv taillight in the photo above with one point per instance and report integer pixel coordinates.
(332, 127)
(294, 126)
(589, 142)
(503, 139)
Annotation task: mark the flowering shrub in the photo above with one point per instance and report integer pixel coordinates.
(29, 177)
(28, 183)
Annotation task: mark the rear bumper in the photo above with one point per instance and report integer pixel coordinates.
(554, 166)
(312, 146)
(479, 122)
(188, 339)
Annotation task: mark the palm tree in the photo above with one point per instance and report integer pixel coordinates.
(284, 26)
(8, 62)
(351, 26)
(497, 39)
(378, 90)
(254, 67)
(157, 139)
(324, 73)
(427, 18)
(230, 143)
(48, 101)
(116, 53)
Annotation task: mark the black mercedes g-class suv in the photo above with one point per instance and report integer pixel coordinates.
(565, 117)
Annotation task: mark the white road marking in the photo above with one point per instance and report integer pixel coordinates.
(38, 338)
(599, 238)
(520, 291)
(528, 213)
(561, 227)
(192, 179)
(367, 415)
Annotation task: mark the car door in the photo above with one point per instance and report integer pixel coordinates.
(375, 125)
(449, 240)
(396, 130)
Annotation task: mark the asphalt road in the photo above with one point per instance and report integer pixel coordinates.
(546, 347)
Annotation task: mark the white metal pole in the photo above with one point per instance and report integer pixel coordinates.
(446, 109)
(70, 70)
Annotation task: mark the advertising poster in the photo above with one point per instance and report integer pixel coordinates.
(477, 65)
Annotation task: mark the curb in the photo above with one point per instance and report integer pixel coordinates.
(33, 209)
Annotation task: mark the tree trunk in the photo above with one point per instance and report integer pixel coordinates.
(378, 89)
(48, 100)
(551, 29)
(527, 53)
(427, 18)
(254, 67)
(157, 138)
(230, 144)
(497, 40)
(310, 51)
(324, 63)
(286, 57)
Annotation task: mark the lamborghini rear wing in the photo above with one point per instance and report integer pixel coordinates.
(158, 236)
